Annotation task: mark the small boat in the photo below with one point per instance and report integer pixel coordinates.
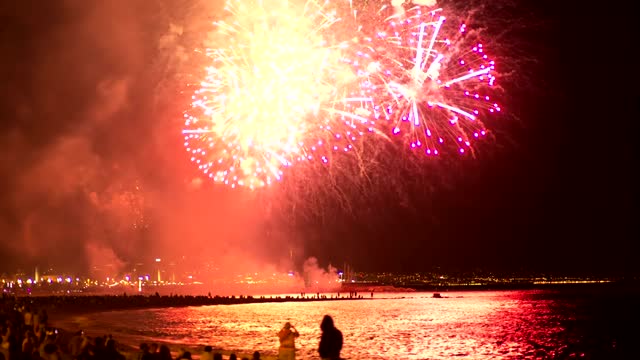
(437, 295)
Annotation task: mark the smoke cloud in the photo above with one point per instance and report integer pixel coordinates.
(95, 176)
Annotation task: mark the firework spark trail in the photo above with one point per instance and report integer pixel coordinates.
(272, 94)
(424, 80)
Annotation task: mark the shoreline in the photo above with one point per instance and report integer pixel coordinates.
(78, 304)
(66, 313)
(68, 304)
(67, 310)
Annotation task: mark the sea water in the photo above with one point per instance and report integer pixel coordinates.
(578, 322)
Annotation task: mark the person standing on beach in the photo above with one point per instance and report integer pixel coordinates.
(207, 354)
(164, 353)
(330, 340)
(287, 337)
(144, 353)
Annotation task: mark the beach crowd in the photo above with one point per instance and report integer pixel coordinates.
(27, 334)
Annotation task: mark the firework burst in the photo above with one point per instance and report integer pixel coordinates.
(425, 80)
(271, 95)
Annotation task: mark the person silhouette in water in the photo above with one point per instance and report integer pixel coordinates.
(287, 337)
(330, 340)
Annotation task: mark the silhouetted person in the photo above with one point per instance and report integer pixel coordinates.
(51, 352)
(111, 352)
(330, 340)
(217, 356)
(287, 337)
(28, 343)
(13, 344)
(207, 354)
(43, 318)
(164, 353)
(256, 355)
(75, 344)
(153, 349)
(144, 353)
(2, 353)
(99, 349)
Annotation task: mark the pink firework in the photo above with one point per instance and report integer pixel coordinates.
(424, 79)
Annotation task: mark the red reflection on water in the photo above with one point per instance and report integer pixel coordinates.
(474, 325)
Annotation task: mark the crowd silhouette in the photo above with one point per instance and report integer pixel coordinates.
(92, 303)
(27, 334)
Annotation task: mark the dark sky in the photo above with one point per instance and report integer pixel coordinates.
(91, 101)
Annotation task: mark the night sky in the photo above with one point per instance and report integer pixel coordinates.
(93, 169)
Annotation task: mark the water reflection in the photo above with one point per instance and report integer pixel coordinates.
(475, 325)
